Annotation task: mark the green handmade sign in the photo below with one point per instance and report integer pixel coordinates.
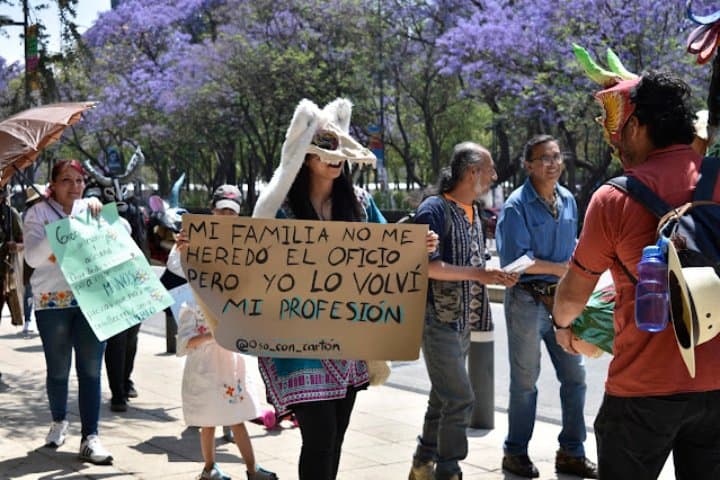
(108, 274)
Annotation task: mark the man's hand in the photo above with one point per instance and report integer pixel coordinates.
(571, 295)
(563, 336)
(496, 276)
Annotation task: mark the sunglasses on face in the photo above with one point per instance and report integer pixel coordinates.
(326, 140)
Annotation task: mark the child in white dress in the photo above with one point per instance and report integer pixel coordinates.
(216, 387)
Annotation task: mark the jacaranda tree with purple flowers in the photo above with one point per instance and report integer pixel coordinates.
(207, 87)
(515, 56)
(10, 88)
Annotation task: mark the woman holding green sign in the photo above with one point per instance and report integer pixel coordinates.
(60, 322)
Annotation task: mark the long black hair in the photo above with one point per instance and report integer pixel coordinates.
(345, 205)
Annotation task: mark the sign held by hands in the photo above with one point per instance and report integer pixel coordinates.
(297, 288)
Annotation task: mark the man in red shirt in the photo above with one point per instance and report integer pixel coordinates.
(652, 406)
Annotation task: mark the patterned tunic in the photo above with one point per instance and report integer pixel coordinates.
(289, 381)
(464, 303)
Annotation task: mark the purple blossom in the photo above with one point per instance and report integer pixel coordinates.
(521, 49)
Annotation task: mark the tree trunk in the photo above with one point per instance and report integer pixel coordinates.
(570, 157)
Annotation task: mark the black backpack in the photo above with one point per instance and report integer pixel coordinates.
(694, 228)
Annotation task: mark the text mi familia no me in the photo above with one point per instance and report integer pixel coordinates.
(304, 264)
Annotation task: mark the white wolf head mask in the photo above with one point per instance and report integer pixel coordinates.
(320, 132)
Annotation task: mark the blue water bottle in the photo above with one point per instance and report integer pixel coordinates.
(651, 292)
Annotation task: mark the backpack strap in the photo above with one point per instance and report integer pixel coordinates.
(708, 177)
(641, 193)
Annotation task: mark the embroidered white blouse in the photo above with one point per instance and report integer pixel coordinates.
(50, 289)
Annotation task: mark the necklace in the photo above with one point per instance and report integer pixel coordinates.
(551, 204)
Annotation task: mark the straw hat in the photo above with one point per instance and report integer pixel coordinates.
(694, 308)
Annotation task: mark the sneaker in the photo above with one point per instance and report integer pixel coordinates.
(520, 465)
(261, 474)
(91, 450)
(422, 470)
(213, 474)
(578, 466)
(57, 433)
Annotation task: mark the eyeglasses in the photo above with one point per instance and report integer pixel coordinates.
(549, 159)
(325, 140)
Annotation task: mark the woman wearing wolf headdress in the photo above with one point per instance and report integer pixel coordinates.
(313, 182)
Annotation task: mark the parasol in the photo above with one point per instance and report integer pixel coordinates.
(25, 134)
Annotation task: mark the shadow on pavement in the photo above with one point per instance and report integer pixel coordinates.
(135, 412)
(46, 464)
(23, 404)
(174, 448)
(30, 349)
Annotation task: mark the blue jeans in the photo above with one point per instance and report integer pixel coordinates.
(61, 330)
(28, 303)
(444, 436)
(529, 324)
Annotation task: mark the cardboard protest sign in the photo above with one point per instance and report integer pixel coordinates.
(294, 288)
(108, 274)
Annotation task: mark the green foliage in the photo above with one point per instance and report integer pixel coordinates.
(210, 92)
(394, 199)
(194, 199)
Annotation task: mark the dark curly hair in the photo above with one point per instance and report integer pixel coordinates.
(662, 102)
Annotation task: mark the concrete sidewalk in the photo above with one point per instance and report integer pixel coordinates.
(150, 440)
